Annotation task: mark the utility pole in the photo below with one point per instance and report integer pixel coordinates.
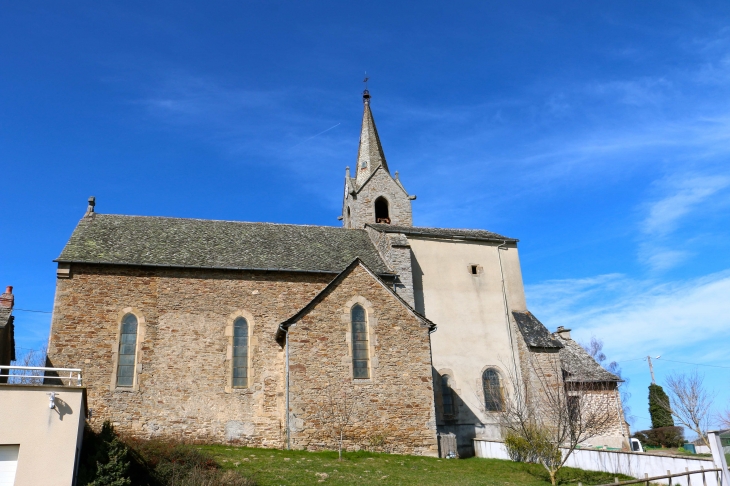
(651, 370)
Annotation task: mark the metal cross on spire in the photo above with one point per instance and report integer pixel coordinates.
(366, 93)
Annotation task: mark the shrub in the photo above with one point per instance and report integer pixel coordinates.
(519, 448)
(533, 446)
(106, 459)
(661, 437)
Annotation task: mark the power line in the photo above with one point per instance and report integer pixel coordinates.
(32, 310)
(627, 360)
(695, 364)
(674, 361)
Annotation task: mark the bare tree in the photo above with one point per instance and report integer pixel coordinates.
(544, 419)
(595, 349)
(336, 412)
(690, 402)
(724, 418)
(32, 357)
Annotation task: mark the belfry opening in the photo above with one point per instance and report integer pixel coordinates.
(381, 210)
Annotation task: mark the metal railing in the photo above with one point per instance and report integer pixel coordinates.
(40, 379)
(647, 480)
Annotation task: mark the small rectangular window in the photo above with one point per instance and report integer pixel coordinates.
(474, 269)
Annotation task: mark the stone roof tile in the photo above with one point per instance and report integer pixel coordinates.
(535, 333)
(579, 365)
(198, 243)
(452, 233)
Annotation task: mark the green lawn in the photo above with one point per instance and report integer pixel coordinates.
(272, 467)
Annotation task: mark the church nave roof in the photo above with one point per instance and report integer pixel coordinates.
(198, 243)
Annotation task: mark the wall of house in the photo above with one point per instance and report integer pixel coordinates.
(182, 386)
(49, 439)
(473, 333)
(608, 399)
(394, 408)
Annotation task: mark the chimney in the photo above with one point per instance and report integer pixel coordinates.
(563, 333)
(90, 209)
(7, 299)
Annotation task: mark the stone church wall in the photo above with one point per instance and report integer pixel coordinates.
(183, 377)
(362, 205)
(395, 404)
(395, 250)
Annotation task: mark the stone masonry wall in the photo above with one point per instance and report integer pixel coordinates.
(395, 250)
(396, 404)
(608, 400)
(539, 367)
(362, 205)
(183, 373)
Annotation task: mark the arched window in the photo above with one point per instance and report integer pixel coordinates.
(127, 351)
(492, 390)
(240, 352)
(447, 397)
(349, 218)
(360, 343)
(381, 210)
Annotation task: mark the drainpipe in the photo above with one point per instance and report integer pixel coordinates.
(506, 308)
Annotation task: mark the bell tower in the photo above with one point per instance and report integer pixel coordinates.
(372, 195)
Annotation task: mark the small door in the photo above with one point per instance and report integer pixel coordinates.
(8, 464)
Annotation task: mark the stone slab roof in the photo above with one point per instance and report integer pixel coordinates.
(451, 233)
(535, 333)
(580, 366)
(198, 243)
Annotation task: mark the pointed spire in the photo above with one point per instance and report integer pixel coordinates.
(370, 154)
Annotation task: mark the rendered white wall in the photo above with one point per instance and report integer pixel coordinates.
(48, 438)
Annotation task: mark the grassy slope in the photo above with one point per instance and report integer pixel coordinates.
(276, 467)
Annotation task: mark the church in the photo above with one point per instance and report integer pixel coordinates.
(261, 334)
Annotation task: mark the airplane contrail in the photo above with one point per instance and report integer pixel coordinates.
(315, 136)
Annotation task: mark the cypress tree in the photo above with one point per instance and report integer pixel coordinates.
(659, 407)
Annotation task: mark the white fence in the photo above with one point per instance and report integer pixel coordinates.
(634, 464)
(36, 375)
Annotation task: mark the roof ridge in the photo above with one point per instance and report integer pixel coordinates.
(222, 221)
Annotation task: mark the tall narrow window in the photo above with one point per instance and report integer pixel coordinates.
(381, 210)
(127, 351)
(240, 352)
(360, 344)
(492, 390)
(447, 397)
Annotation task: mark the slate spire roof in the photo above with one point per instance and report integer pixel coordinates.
(370, 154)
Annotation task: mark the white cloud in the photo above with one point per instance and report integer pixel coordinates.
(685, 196)
(639, 317)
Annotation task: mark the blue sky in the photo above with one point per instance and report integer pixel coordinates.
(598, 133)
